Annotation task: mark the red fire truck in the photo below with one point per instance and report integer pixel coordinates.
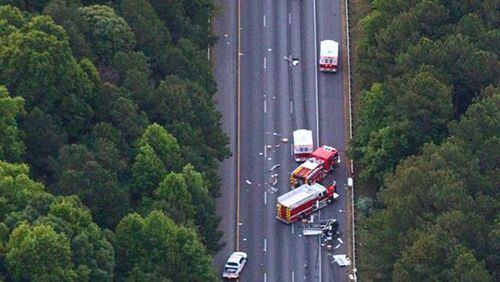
(316, 168)
(304, 200)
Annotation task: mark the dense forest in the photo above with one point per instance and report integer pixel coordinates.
(426, 142)
(109, 141)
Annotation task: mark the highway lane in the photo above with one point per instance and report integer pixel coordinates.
(275, 98)
(225, 55)
(332, 127)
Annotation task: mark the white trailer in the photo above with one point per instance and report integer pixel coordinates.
(302, 144)
(328, 56)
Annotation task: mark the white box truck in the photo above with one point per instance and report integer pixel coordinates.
(302, 144)
(328, 56)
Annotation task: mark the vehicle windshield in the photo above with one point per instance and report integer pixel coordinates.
(232, 264)
(230, 270)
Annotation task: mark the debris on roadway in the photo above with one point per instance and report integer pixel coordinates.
(248, 182)
(342, 260)
(274, 167)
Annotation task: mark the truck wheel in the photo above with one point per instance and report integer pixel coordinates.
(302, 216)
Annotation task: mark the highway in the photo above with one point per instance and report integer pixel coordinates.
(263, 98)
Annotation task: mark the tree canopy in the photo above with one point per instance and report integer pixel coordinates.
(107, 112)
(426, 125)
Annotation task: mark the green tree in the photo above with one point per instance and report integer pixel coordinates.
(40, 68)
(153, 38)
(147, 173)
(66, 14)
(164, 145)
(204, 208)
(27, 5)
(396, 120)
(441, 204)
(44, 136)
(80, 174)
(92, 254)
(433, 256)
(173, 198)
(39, 253)
(155, 247)
(11, 145)
(106, 32)
(24, 201)
(17, 189)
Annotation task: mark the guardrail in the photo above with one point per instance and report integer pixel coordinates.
(346, 4)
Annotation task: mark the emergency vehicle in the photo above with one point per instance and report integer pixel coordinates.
(302, 144)
(316, 168)
(304, 200)
(328, 56)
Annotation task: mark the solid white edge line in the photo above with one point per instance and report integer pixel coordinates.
(316, 73)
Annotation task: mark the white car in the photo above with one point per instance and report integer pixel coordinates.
(234, 265)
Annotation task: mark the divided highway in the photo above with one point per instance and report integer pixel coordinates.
(263, 98)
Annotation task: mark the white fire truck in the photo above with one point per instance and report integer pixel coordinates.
(328, 56)
(304, 200)
(302, 144)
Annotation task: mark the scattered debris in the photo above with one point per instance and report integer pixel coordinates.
(284, 140)
(342, 260)
(248, 182)
(260, 154)
(225, 35)
(244, 239)
(338, 246)
(240, 223)
(340, 240)
(276, 134)
(269, 147)
(340, 210)
(277, 146)
(275, 181)
(274, 167)
(269, 159)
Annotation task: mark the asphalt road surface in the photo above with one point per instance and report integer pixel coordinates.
(276, 98)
